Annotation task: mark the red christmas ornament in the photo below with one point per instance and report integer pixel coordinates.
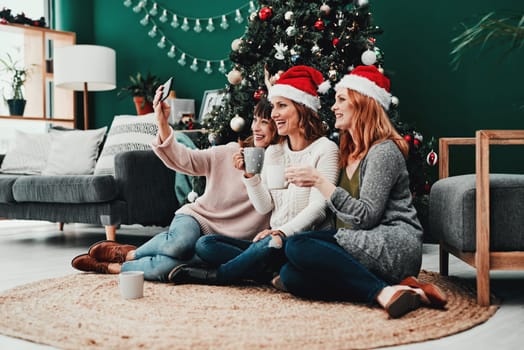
(335, 41)
(408, 138)
(427, 187)
(319, 25)
(265, 13)
(432, 158)
(257, 95)
(416, 142)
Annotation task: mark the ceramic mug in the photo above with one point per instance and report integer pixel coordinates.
(131, 284)
(276, 179)
(254, 159)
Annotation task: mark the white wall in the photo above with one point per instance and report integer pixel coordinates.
(8, 130)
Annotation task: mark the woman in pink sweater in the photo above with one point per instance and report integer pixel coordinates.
(213, 212)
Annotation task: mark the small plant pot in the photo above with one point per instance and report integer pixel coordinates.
(142, 107)
(16, 107)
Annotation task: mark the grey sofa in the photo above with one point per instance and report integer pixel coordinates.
(142, 191)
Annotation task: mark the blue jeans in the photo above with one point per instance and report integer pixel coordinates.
(319, 268)
(238, 260)
(166, 250)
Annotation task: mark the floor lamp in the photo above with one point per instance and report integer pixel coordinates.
(85, 68)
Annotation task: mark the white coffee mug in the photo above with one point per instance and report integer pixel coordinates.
(276, 179)
(254, 159)
(131, 284)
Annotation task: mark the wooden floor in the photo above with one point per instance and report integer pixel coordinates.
(31, 251)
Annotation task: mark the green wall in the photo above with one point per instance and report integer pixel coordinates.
(485, 92)
(118, 27)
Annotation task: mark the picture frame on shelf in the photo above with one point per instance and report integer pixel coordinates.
(210, 99)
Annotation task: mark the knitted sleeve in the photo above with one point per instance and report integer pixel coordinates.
(180, 158)
(314, 212)
(379, 172)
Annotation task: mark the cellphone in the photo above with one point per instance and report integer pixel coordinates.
(167, 88)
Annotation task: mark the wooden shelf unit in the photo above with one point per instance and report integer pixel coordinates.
(44, 101)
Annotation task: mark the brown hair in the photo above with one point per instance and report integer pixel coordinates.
(263, 110)
(369, 125)
(309, 121)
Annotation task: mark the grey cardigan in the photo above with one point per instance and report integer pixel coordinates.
(386, 235)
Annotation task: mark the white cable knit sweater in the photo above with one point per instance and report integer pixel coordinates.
(295, 209)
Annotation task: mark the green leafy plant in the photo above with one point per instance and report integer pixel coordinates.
(18, 76)
(492, 29)
(141, 85)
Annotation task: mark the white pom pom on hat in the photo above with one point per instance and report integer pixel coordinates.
(369, 81)
(300, 84)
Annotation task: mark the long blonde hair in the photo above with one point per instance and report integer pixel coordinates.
(369, 125)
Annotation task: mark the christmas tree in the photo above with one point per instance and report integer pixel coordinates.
(332, 36)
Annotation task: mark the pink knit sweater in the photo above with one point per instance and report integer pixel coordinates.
(224, 207)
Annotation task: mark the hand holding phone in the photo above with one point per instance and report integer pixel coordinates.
(167, 88)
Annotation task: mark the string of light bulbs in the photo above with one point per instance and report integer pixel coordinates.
(185, 23)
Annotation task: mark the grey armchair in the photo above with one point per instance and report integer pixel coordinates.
(479, 217)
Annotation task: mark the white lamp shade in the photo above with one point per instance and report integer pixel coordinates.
(78, 64)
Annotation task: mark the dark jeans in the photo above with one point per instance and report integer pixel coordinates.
(238, 260)
(319, 268)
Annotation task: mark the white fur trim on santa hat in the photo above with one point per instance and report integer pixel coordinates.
(365, 87)
(324, 87)
(297, 95)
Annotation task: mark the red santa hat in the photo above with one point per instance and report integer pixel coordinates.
(370, 82)
(300, 84)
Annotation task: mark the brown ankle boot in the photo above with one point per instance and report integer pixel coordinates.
(86, 263)
(110, 251)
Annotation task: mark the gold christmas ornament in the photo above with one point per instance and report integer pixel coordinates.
(235, 44)
(234, 77)
(237, 123)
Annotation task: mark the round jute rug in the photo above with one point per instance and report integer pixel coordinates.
(85, 311)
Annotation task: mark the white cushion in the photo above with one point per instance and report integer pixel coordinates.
(74, 152)
(27, 153)
(127, 133)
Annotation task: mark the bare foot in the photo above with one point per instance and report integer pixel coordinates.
(130, 255)
(114, 268)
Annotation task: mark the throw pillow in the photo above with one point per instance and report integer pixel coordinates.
(127, 133)
(27, 154)
(74, 152)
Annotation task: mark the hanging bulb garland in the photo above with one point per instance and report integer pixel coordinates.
(155, 13)
(157, 8)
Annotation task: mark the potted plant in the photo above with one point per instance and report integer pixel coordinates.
(142, 89)
(18, 76)
(492, 29)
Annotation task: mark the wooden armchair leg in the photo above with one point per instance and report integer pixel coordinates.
(110, 232)
(483, 284)
(61, 226)
(443, 261)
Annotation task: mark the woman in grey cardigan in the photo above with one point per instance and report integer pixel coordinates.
(376, 248)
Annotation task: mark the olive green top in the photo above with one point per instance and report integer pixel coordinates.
(352, 186)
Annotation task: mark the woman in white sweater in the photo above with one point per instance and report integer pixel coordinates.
(293, 209)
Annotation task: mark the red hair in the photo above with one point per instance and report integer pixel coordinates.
(369, 125)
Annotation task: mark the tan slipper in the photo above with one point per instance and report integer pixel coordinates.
(402, 302)
(110, 251)
(436, 296)
(86, 263)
